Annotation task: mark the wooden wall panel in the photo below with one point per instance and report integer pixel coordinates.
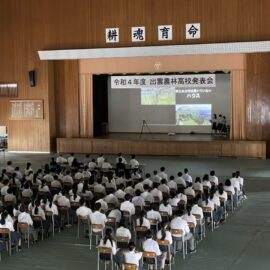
(29, 25)
(66, 98)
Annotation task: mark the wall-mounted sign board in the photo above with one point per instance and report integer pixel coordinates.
(26, 109)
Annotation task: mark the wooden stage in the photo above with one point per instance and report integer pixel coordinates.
(190, 145)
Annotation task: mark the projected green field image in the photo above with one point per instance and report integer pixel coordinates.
(193, 114)
(158, 96)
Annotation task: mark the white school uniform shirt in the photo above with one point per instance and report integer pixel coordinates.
(84, 211)
(45, 188)
(8, 219)
(40, 213)
(229, 188)
(10, 198)
(139, 186)
(48, 177)
(56, 184)
(151, 245)
(128, 206)
(197, 210)
(197, 186)
(152, 214)
(78, 175)
(240, 180)
(167, 209)
(67, 179)
(63, 201)
(7, 225)
(178, 223)
(98, 218)
(134, 163)
(190, 191)
(106, 165)
(168, 236)
(92, 165)
(157, 193)
(104, 205)
(235, 184)
(111, 198)
(100, 161)
(86, 174)
(156, 179)
(115, 213)
(145, 223)
(190, 219)
(18, 174)
(163, 175)
(174, 201)
(164, 188)
(111, 184)
(73, 199)
(209, 204)
(120, 180)
(213, 179)
(207, 184)
(148, 182)
(223, 195)
(109, 245)
(130, 190)
(9, 169)
(99, 188)
(123, 232)
(133, 257)
(187, 178)
(120, 194)
(172, 184)
(61, 160)
(138, 201)
(70, 160)
(26, 218)
(180, 181)
(53, 208)
(4, 190)
(148, 197)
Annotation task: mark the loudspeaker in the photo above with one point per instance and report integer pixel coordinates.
(32, 78)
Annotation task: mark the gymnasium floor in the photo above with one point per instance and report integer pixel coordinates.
(241, 243)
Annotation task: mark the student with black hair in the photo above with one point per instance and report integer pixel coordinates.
(127, 205)
(97, 217)
(50, 206)
(142, 221)
(134, 163)
(213, 178)
(4, 224)
(109, 242)
(180, 181)
(132, 256)
(150, 245)
(165, 207)
(172, 184)
(138, 200)
(165, 234)
(156, 178)
(198, 186)
(122, 230)
(186, 176)
(163, 173)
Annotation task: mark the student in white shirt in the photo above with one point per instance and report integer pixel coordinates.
(118, 158)
(122, 230)
(142, 221)
(179, 223)
(163, 174)
(228, 187)
(106, 165)
(147, 180)
(180, 181)
(67, 178)
(163, 187)
(98, 218)
(208, 203)
(166, 207)
(109, 242)
(189, 190)
(28, 168)
(156, 178)
(83, 210)
(147, 196)
(165, 234)
(15, 237)
(150, 245)
(138, 200)
(70, 159)
(9, 168)
(99, 188)
(189, 217)
(37, 211)
(100, 161)
(92, 165)
(186, 176)
(152, 214)
(133, 257)
(115, 213)
(133, 162)
(172, 184)
(128, 206)
(206, 183)
(60, 159)
(198, 186)
(156, 192)
(213, 178)
(196, 209)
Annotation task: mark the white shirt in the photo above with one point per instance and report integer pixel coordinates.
(190, 219)
(8, 225)
(123, 160)
(67, 179)
(98, 218)
(223, 195)
(134, 163)
(187, 178)
(63, 201)
(207, 184)
(151, 245)
(209, 204)
(53, 208)
(133, 257)
(61, 160)
(148, 197)
(70, 160)
(167, 209)
(25, 218)
(172, 184)
(157, 193)
(123, 232)
(115, 213)
(40, 213)
(198, 186)
(190, 191)
(106, 165)
(92, 165)
(180, 181)
(152, 214)
(128, 206)
(179, 223)
(145, 223)
(213, 179)
(168, 236)
(148, 182)
(109, 245)
(229, 188)
(163, 175)
(197, 210)
(100, 161)
(84, 211)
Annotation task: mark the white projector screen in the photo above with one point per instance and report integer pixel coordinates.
(180, 109)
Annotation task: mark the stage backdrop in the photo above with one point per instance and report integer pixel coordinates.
(180, 109)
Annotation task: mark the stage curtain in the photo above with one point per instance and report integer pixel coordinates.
(238, 105)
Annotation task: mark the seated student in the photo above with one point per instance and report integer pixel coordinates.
(132, 256)
(56, 183)
(180, 181)
(92, 165)
(60, 159)
(67, 178)
(152, 214)
(83, 210)
(139, 185)
(9, 168)
(235, 183)
(5, 187)
(120, 194)
(15, 237)
(189, 190)
(43, 187)
(196, 209)
(70, 159)
(178, 223)
(128, 206)
(215, 199)
(213, 178)
(110, 184)
(18, 173)
(186, 176)
(190, 218)
(97, 217)
(150, 245)
(165, 234)
(166, 207)
(109, 242)
(198, 186)
(174, 200)
(63, 199)
(163, 187)
(172, 184)
(228, 187)
(28, 168)
(129, 189)
(10, 197)
(106, 165)
(163, 174)
(156, 193)
(147, 180)
(37, 211)
(50, 206)
(115, 213)
(24, 217)
(206, 183)
(86, 193)
(147, 196)
(156, 178)
(99, 188)
(122, 230)
(208, 203)
(134, 163)
(15, 181)
(120, 179)
(138, 200)
(100, 160)
(142, 221)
